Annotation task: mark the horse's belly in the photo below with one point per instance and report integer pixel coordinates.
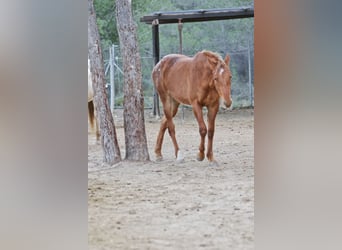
(182, 100)
(179, 93)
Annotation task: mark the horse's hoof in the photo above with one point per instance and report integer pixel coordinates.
(200, 157)
(159, 158)
(178, 161)
(213, 164)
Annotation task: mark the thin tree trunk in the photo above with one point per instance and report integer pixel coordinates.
(104, 116)
(134, 122)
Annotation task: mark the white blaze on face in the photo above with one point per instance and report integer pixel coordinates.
(221, 71)
(222, 103)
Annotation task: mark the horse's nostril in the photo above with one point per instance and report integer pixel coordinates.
(227, 104)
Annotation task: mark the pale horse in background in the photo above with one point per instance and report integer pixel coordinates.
(91, 107)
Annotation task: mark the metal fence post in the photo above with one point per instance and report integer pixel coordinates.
(111, 76)
(250, 74)
(155, 41)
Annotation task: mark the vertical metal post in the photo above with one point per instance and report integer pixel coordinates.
(250, 74)
(180, 27)
(156, 51)
(111, 74)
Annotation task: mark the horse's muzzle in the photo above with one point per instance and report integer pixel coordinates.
(228, 104)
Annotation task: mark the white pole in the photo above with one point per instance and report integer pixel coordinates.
(111, 74)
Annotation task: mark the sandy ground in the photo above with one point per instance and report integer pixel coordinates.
(164, 205)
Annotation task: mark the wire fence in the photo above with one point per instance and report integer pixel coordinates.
(241, 65)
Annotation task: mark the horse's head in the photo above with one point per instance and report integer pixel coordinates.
(222, 81)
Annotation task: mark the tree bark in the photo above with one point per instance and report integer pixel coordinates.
(134, 122)
(104, 117)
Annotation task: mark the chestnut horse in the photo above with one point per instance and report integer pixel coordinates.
(199, 81)
(91, 107)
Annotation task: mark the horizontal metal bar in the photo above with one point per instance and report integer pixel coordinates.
(199, 15)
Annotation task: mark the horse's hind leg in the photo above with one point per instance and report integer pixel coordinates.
(172, 132)
(160, 138)
(92, 118)
(169, 114)
(170, 110)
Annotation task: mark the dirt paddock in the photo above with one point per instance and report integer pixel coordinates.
(164, 205)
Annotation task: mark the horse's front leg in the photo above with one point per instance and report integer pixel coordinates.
(197, 109)
(212, 111)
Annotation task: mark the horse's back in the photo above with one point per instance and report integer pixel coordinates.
(169, 67)
(171, 77)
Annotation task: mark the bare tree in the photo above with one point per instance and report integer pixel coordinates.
(104, 116)
(134, 122)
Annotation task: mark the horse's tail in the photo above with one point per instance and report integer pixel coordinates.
(91, 113)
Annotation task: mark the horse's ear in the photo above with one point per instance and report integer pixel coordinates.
(213, 62)
(227, 59)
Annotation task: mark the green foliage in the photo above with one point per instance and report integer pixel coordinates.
(105, 15)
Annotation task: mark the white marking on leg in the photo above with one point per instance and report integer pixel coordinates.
(180, 157)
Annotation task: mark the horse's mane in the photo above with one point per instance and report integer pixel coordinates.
(213, 55)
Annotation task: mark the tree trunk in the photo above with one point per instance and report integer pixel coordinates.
(104, 116)
(134, 122)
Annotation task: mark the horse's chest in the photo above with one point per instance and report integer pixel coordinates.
(209, 98)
